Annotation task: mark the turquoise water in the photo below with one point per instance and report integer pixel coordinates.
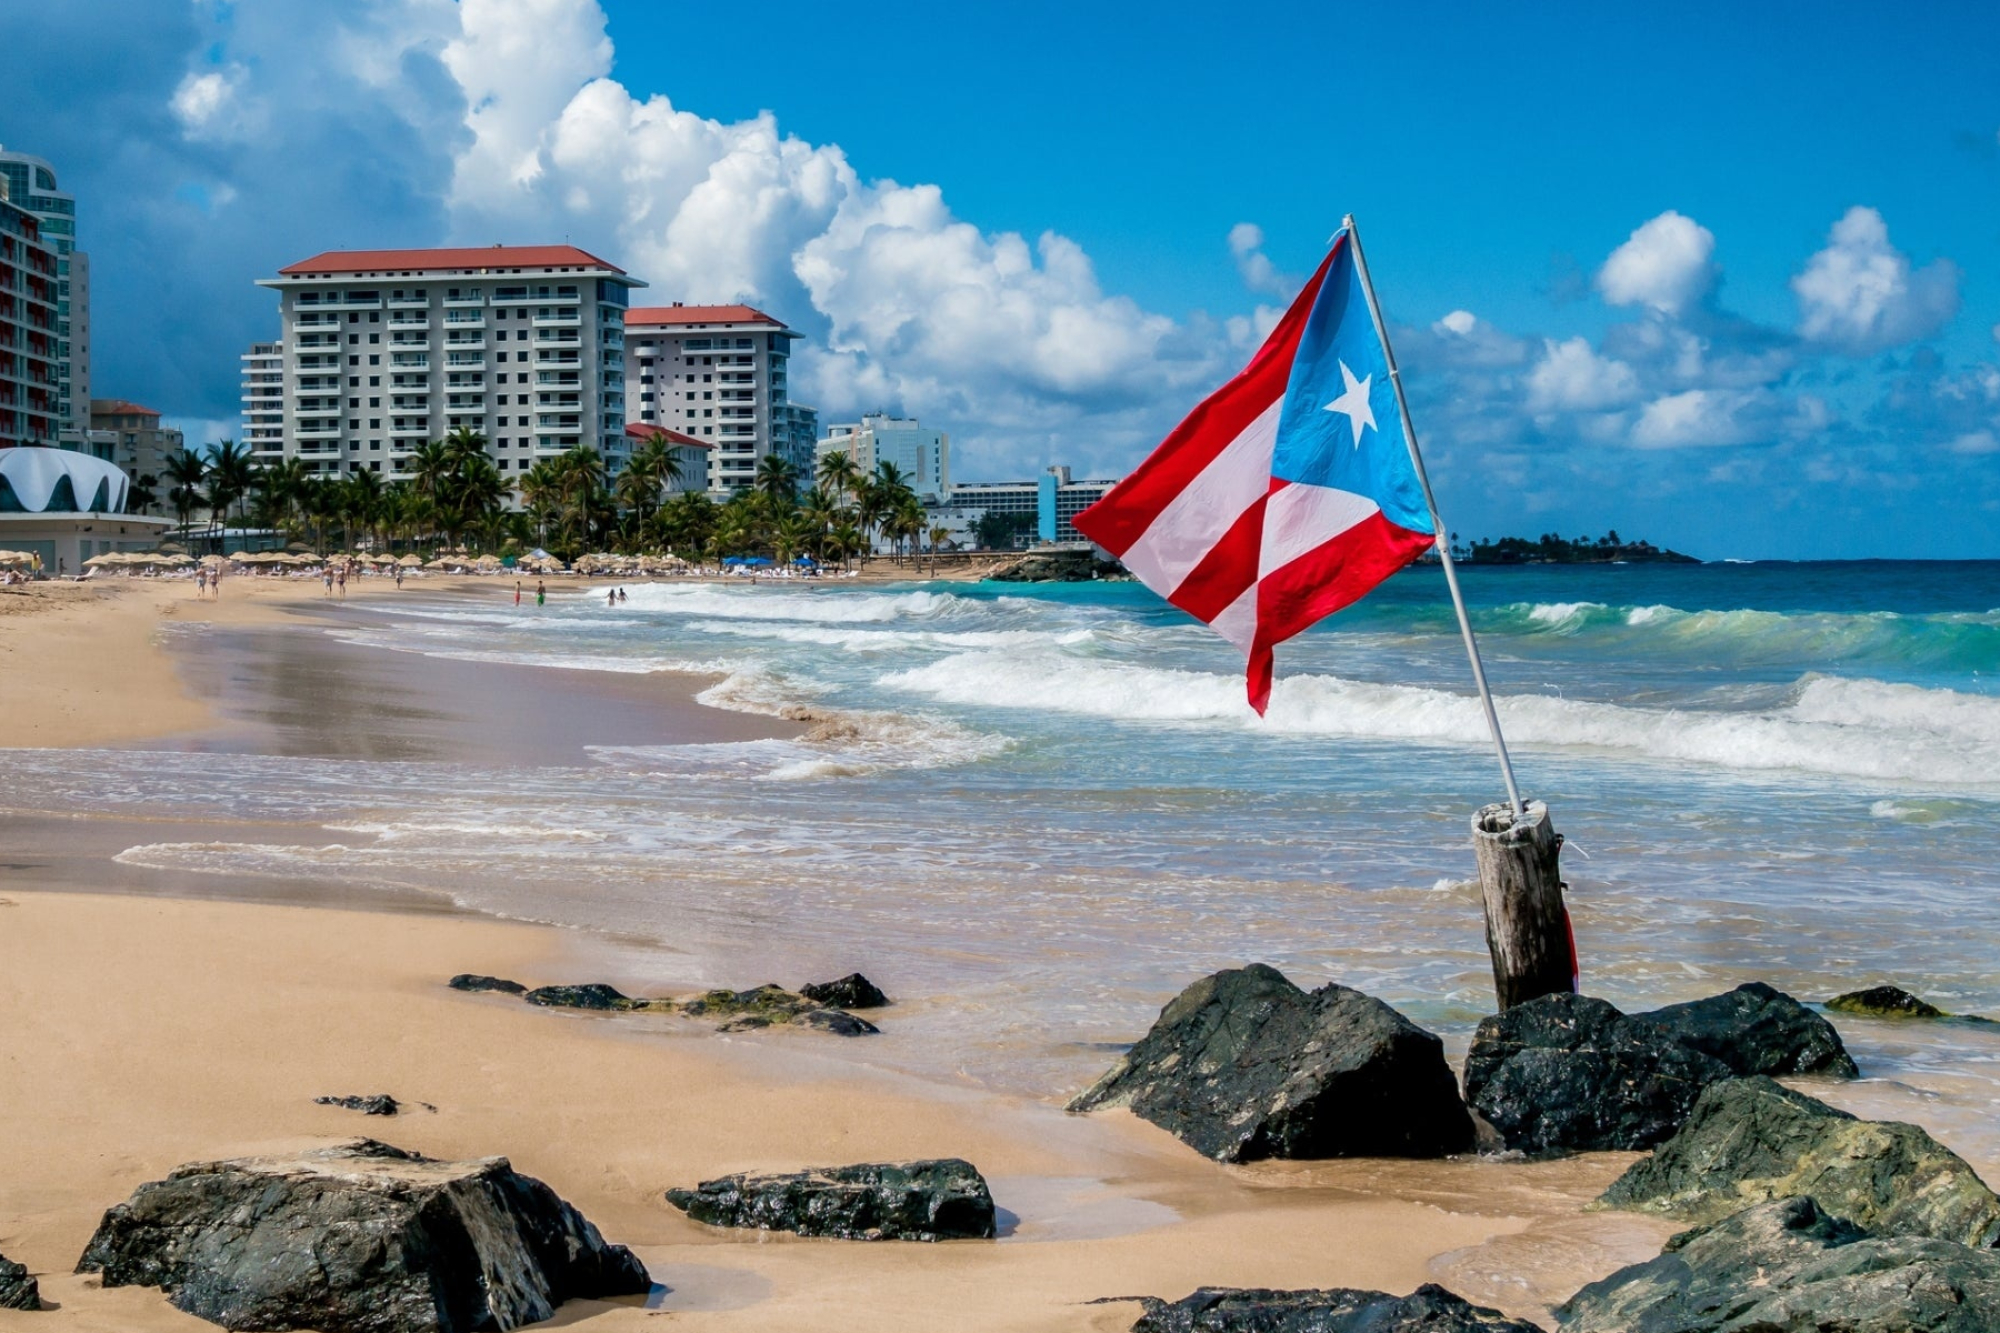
(1034, 812)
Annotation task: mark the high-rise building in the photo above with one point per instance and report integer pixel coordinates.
(30, 409)
(717, 373)
(384, 350)
(264, 401)
(30, 183)
(801, 436)
(139, 443)
(921, 455)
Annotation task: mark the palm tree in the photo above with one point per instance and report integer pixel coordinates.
(581, 486)
(938, 533)
(480, 491)
(541, 492)
(143, 494)
(839, 474)
(653, 467)
(231, 474)
(778, 481)
(431, 468)
(187, 471)
(361, 502)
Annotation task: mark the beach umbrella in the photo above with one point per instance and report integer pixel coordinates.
(412, 561)
(100, 561)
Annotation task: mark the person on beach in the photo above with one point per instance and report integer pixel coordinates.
(399, 578)
(541, 592)
(622, 599)
(517, 592)
(200, 584)
(340, 581)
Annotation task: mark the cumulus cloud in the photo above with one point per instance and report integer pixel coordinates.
(1260, 275)
(1667, 265)
(1860, 294)
(208, 104)
(1571, 377)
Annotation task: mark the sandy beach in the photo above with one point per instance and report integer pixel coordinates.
(166, 1017)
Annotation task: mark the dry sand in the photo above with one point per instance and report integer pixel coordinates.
(142, 1031)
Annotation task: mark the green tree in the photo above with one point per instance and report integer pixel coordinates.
(187, 471)
(778, 482)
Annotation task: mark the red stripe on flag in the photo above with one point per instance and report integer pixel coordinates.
(1307, 590)
(1129, 508)
(1228, 569)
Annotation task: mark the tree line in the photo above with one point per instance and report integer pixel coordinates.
(454, 495)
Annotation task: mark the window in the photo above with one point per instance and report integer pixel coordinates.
(353, 338)
(374, 381)
(353, 425)
(375, 402)
(354, 381)
(353, 317)
(353, 360)
(499, 356)
(375, 359)
(374, 423)
(374, 466)
(354, 402)
(374, 317)
(374, 337)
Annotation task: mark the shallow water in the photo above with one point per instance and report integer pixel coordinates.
(1034, 813)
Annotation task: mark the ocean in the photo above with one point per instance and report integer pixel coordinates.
(1032, 813)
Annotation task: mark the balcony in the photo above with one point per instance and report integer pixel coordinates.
(410, 382)
(421, 431)
(464, 302)
(410, 361)
(564, 337)
(465, 342)
(322, 431)
(465, 359)
(569, 319)
(406, 403)
(465, 379)
(409, 342)
(459, 319)
(409, 303)
(419, 320)
(549, 421)
(556, 377)
(545, 356)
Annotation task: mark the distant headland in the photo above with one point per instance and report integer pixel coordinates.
(1549, 549)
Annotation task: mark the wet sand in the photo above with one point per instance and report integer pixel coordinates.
(172, 1016)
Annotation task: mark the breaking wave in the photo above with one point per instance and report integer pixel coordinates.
(1828, 725)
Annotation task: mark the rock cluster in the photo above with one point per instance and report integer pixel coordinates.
(359, 1238)
(380, 1103)
(1573, 1073)
(1244, 1065)
(1429, 1309)
(18, 1291)
(852, 991)
(1893, 1002)
(760, 1007)
(1790, 1267)
(1750, 1141)
(473, 981)
(944, 1199)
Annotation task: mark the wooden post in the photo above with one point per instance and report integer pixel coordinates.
(1527, 926)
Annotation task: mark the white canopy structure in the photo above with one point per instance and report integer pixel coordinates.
(57, 481)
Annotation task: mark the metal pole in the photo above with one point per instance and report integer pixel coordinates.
(1443, 534)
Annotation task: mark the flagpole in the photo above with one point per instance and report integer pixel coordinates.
(1443, 534)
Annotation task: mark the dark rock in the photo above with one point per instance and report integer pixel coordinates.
(358, 1238)
(1756, 1029)
(474, 981)
(1749, 1141)
(592, 995)
(18, 1291)
(379, 1104)
(1080, 566)
(852, 991)
(1884, 1002)
(771, 1003)
(839, 1023)
(1790, 1267)
(945, 1199)
(1569, 1072)
(1429, 1309)
(1244, 1065)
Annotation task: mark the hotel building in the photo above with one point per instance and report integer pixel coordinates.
(29, 183)
(922, 456)
(381, 351)
(264, 401)
(136, 441)
(30, 410)
(715, 373)
(1053, 500)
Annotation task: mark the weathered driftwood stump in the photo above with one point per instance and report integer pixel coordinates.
(1527, 926)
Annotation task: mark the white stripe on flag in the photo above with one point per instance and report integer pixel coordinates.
(1196, 519)
(1238, 621)
(1302, 518)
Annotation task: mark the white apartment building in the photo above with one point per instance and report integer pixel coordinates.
(264, 401)
(384, 350)
(716, 373)
(29, 183)
(923, 456)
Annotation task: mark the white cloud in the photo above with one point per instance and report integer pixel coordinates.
(1571, 377)
(1717, 418)
(1667, 264)
(210, 105)
(1460, 322)
(1260, 275)
(1860, 295)
(1976, 443)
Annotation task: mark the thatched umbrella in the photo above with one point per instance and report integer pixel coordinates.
(411, 561)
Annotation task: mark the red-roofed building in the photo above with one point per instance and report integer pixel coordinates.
(718, 374)
(691, 454)
(381, 351)
(140, 444)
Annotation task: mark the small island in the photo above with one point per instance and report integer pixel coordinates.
(1550, 549)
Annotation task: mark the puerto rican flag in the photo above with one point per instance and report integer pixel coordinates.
(1288, 493)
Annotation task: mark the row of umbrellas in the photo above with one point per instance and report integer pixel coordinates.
(604, 562)
(137, 560)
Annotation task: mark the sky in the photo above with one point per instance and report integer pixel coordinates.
(1723, 276)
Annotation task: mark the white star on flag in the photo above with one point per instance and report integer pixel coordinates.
(1354, 403)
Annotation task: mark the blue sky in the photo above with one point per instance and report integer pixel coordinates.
(1727, 276)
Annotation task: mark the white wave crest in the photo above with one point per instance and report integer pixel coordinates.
(832, 607)
(1847, 728)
